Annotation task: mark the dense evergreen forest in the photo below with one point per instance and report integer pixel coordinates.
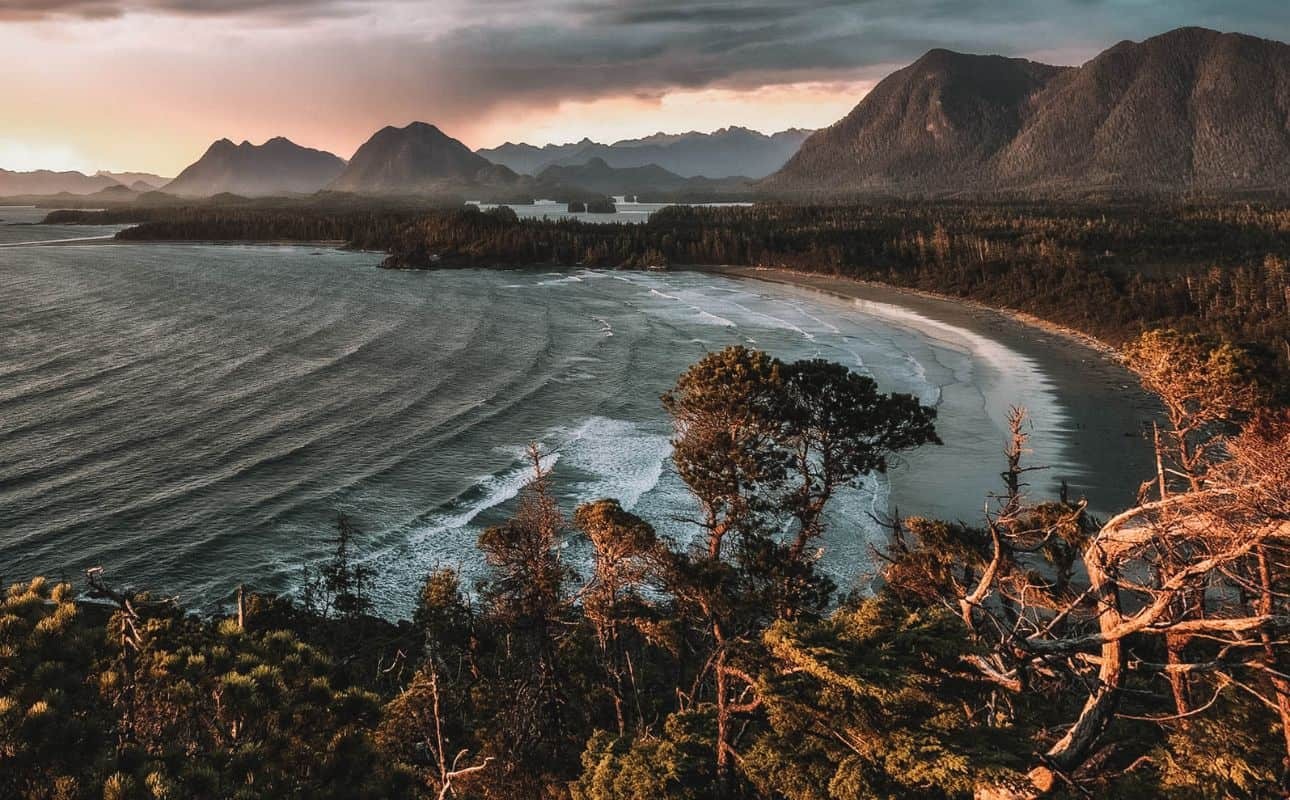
(1032, 652)
(1111, 271)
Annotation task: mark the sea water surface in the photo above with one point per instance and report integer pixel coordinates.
(623, 210)
(19, 226)
(194, 417)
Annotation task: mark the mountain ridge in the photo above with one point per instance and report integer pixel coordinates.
(14, 183)
(728, 152)
(416, 159)
(278, 166)
(1188, 110)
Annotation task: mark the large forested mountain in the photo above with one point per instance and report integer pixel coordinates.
(417, 159)
(1190, 110)
(725, 153)
(279, 166)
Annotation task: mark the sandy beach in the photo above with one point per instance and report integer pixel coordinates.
(1104, 410)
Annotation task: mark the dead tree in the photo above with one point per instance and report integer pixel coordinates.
(1196, 564)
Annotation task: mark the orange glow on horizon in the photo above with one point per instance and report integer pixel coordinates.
(767, 109)
(140, 94)
(97, 138)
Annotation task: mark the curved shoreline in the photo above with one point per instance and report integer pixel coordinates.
(1103, 407)
(1107, 409)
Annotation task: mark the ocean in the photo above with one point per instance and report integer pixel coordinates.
(194, 417)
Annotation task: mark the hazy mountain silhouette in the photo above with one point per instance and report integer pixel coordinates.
(46, 182)
(279, 166)
(134, 179)
(598, 176)
(729, 152)
(417, 159)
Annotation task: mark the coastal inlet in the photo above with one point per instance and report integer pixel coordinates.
(194, 417)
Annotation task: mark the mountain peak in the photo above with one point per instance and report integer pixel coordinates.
(424, 128)
(415, 159)
(279, 166)
(1188, 33)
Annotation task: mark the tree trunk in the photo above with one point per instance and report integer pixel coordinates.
(1281, 685)
(1179, 681)
(1073, 748)
(723, 727)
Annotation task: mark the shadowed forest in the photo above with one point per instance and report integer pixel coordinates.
(1035, 651)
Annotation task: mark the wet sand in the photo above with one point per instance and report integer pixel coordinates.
(1104, 411)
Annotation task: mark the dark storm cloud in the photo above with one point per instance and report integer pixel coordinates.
(477, 54)
(592, 49)
(588, 48)
(26, 10)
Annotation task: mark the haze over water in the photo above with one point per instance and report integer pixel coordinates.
(193, 417)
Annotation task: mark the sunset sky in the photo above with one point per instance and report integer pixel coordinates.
(148, 84)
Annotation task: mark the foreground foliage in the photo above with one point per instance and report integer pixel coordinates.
(1038, 652)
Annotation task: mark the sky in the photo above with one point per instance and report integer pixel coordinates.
(149, 84)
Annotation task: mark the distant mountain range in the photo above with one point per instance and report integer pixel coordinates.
(418, 159)
(45, 182)
(138, 181)
(652, 183)
(729, 152)
(1190, 110)
(598, 176)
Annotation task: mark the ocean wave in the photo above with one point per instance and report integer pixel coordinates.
(823, 323)
(776, 322)
(488, 492)
(1017, 379)
(562, 280)
(625, 459)
(703, 313)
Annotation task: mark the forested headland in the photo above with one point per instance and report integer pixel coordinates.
(1034, 652)
(1108, 271)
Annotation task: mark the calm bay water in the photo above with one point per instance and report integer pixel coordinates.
(623, 211)
(18, 226)
(193, 417)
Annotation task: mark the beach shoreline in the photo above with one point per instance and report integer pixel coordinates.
(1107, 410)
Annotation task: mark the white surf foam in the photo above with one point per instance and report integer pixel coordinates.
(493, 490)
(625, 459)
(1016, 379)
(562, 280)
(704, 315)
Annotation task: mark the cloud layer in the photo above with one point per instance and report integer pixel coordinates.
(329, 71)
